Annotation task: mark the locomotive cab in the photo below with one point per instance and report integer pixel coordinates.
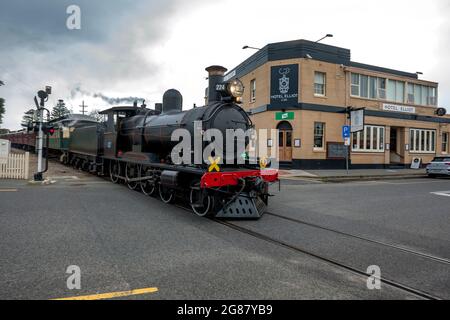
(114, 144)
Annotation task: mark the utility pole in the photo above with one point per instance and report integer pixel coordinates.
(83, 108)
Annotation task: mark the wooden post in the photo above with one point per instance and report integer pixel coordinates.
(27, 165)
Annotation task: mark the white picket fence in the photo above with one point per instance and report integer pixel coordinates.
(16, 166)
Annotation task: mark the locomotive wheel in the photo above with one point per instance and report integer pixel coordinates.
(147, 187)
(114, 171)
(131, 172)
(167, 195)
(201, 203)
(74, 163)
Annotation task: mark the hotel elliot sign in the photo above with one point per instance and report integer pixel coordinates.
(398, 108)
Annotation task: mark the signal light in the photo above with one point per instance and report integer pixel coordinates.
(48, 129)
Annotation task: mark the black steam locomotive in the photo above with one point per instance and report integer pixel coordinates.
(134, 146)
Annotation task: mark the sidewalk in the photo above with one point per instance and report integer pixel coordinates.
(356, 174)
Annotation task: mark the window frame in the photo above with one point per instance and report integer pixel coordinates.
(445, 142)
(418, 90)
(355, 85)
(324, 84)
(322, 135)
(378, 88)
(418, 142)
(396, 86)
(362, 136)
(252, 90)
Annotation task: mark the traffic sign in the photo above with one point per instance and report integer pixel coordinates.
(347, 142)
(346, 131)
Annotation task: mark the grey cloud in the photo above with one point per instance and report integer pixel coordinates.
(37, 48)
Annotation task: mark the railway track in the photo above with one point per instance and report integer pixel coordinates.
(417, 292)
(393, 246)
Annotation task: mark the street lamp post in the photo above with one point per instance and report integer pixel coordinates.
(249, 47)
(329, 35)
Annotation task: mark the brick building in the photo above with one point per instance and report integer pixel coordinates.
(304, 89)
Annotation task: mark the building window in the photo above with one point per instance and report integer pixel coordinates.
(355, 85)
(396, 91)
(368, 87)
(319, 83)
(432, 96)
(364, 86)
(319, 130)
(371, 139)
(421, 95)
(445, 142)
(382, 88)
(422, 141)
(411, 98)
(373, 88)
(392, 90)
(253, 90)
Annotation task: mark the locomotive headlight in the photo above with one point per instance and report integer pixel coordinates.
(235, 88)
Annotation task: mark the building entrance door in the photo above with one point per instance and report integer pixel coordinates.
(396, 151)
(285, 141)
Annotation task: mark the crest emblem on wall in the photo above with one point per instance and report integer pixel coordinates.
(284, 80)
(284, 85)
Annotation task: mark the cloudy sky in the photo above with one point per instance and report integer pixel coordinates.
(140, 48)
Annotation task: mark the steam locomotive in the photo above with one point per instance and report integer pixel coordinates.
(134, 146)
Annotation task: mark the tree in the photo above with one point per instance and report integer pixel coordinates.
(29, 116)
(2, 109)
(60, 110)
(96, 115)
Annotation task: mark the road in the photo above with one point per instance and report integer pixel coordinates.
(123, 240)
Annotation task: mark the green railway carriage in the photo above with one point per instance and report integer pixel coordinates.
(59, 143)
(60, 139)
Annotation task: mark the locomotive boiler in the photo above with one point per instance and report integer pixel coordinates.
(154, 131)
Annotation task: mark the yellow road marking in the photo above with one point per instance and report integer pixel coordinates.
(111, 295)
(8, 190)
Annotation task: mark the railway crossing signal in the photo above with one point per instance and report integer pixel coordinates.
(48, 129)
(40, 105)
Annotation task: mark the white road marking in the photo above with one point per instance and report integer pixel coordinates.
(442, 193)
(412, 181)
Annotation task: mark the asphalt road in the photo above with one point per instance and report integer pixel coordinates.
(123, 240)
(401, 226)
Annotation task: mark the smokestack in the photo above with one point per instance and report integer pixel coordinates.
(215, 76)
(158, 107)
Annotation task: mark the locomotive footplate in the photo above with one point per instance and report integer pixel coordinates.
(243, 206)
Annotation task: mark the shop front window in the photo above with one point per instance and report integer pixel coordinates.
(422, 141)
(371, 139)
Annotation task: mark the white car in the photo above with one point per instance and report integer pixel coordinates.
(438, 167)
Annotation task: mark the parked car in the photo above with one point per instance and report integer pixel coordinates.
(439, 166)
